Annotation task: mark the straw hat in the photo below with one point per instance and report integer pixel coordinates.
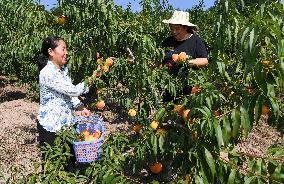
(180, 17)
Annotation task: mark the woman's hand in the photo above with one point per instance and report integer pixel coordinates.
(89, 81)
(83, 112)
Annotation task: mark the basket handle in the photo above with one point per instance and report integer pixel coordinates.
(90, 119)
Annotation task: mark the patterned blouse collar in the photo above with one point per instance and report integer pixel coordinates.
(64, 68)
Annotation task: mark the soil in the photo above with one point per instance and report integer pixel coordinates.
(19, 148)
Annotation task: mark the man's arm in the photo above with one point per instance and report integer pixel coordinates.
(198, 62)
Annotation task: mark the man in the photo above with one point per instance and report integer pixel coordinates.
(183, 39)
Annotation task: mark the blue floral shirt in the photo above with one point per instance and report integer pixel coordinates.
(58, 97)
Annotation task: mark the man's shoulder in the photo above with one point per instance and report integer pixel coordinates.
(170, 38)
(168, 41)
(197, 38)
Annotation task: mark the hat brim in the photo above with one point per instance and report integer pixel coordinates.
(170, 21)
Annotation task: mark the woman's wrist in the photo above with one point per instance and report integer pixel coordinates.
(86, 81)
(79, 107)
(83, 111)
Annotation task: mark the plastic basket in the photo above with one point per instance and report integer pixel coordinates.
(88, 151)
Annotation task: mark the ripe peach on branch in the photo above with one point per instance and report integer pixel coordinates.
(136, 128)
(182, 57)
(100, 104)
(132, 112)
(61, 19)
(109, 62)
(154, 124)
(156, 167)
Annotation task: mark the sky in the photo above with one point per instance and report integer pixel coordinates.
(177, 4)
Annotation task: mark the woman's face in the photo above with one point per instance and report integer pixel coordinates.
(179, 32)
(59, 54)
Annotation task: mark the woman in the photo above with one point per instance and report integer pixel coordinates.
(58, 96)
(183, 39)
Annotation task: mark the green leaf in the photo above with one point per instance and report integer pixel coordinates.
(226, 6)
(244, 36)
(270, 89)
(261, 181)
(232, 176)
(203, 178)
(117, 179)
(226, 130)
(236, 122)
(198, 179)
(271, 166)
(274, 106)
(245, 121)
(154, 182)
(236, 30)
(252, 40)
(250, 180)
(280, 48)
(258, 167)
(160, 113)
(161, 144)
(259, 77)
(204, 110)
(257, 108)
(210, 162)
(107, 178)
(218, 132)
(278, 177)
(281, 73)
(154, 144)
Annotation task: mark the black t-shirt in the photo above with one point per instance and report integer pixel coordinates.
(193, 46)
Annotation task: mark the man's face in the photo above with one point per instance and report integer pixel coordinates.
(178, 31)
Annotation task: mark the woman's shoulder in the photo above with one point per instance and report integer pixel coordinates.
(47, 72)
(44, 71)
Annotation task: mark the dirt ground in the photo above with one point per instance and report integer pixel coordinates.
(18, 134)
(19, 148)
